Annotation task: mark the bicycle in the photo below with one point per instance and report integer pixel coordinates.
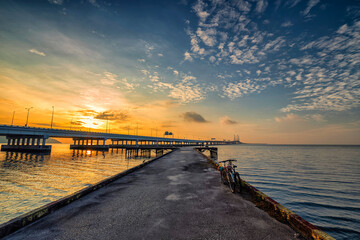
(230, 176)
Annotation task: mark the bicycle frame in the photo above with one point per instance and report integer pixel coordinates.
(231, 175)
(229, 169)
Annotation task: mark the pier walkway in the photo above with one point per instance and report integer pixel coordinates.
(179, 196)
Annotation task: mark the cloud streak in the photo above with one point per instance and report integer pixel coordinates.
(227, 121)
(37, 52)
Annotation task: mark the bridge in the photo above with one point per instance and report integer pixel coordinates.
(30, 139)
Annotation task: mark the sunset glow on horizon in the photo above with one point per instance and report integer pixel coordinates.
(282, 72)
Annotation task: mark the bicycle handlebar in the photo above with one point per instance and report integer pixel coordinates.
(230, 160)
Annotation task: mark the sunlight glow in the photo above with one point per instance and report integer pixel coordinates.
(90, 122)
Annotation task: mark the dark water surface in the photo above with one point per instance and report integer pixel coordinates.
(319, 183)
(29, 181)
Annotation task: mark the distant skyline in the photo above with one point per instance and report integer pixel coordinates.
(283, 72)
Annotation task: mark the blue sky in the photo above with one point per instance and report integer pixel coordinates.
(269, 71)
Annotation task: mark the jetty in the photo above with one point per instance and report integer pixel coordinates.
(177, 196)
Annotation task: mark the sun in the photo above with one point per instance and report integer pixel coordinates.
(90, 122)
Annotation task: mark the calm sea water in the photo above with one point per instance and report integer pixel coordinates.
(319, 183)
(29, 181)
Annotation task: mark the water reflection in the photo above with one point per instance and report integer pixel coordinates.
(20, 160)
(29, 180)
(87, 153)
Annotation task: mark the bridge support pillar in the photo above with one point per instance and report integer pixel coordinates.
(88, 144)
(25, 143)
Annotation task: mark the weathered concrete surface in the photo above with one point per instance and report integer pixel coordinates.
(176, 197)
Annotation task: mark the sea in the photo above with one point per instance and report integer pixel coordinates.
(319, 183)
(29, 181)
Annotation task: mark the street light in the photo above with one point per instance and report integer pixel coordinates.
(27, 118)
(107, 123)
(52, 116)
(12, 121)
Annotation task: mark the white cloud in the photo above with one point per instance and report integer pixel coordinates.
(37, 52)
(243, 6)
(145, 72)
(275, 45)
(149, 49)
(224, 76)
(195, 47)
(160, 54)
(261, 6)
(112, 79)
(292, 3)
(188, 57)
(333, 83)
(199, 10)
(298, 77)
(129, 86)
(236, 90)
(287, 24)
(341, 97)
(317, 117)
(207, 36)
(185, 91)
(291, 117)
(141, 60)
(57, 2)
(97, 33)
(94, 3)
(226, 33)
(288, 117)
(310, 5)
(109, 78)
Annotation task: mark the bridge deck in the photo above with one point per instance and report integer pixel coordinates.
(178, 196)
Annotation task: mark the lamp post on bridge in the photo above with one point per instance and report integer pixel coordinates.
(107, 123)
(71, 123)
(12, 120)
(27, 118)
(52, 116)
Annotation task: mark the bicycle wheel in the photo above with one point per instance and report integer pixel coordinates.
(231, 183)
(238, 183)
(223, 176)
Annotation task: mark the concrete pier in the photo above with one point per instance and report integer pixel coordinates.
(179, 196)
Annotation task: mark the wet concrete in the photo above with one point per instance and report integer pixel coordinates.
(176, 197)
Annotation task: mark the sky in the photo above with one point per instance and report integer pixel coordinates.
(277, 72)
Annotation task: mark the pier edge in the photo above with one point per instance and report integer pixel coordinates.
(278, 211)
(21, 221)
